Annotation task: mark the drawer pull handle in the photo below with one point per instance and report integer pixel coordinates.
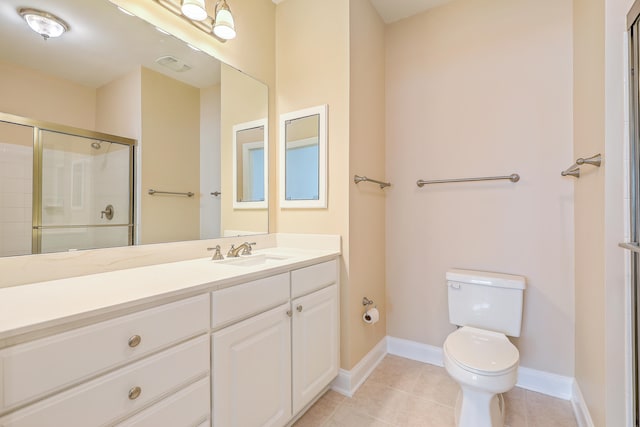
(135, 392)
(299, 308)
(289, 313)
(134, 341)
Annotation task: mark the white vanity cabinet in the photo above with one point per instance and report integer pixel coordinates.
(97, 374)
(226, 352)
(315, 338)
(252, 371)
(271, 365)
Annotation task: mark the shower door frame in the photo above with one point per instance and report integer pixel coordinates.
(633, 28)
(38, 127)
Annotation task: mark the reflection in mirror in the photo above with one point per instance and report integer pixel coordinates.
(138, 83)
(303, 153)
(250, 165)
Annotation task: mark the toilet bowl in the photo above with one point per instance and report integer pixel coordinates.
(484, 364)
(487, 307)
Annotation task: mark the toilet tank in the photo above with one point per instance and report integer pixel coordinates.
(485, 300)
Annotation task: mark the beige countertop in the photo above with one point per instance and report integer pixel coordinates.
(27, 311)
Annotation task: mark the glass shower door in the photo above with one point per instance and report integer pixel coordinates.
(85, 195)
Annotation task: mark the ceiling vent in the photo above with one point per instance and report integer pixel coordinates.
(173, 63)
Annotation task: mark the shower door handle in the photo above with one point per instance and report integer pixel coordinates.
(108, 211)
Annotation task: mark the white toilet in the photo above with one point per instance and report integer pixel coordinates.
(479, 357)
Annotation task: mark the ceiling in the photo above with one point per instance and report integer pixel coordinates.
(92, 53)
(395, 10)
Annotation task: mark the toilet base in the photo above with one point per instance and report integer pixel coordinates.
(472, 417)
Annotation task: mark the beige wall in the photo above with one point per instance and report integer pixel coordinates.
(366, 157)
(313, 69)
(589, 204)
(243, 100)
(118, 106)
(35, 95)
(480, 89)
(599, 122)
(170, 159)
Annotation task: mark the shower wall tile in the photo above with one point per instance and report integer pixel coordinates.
(16, 185)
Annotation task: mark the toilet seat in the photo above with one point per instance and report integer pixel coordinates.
(481, 352)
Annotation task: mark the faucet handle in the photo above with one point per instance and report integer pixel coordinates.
(230, 253)
(217, 255)
(247, 248)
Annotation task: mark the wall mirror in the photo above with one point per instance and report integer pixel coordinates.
(139, 83)
(250, 165)
(303, 158)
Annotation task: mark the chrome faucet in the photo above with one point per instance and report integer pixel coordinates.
(245, 248)
(217, 255)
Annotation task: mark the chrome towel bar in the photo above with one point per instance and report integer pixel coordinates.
(574, 169)
(631, 246)
(357, 179)
(152, 192)
(514, 177)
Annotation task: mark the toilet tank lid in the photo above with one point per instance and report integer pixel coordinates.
(486, 278)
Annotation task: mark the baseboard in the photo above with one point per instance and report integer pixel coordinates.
(580, 407)
(530, 379)
(415, 351)
(545, 382)
(348, 382)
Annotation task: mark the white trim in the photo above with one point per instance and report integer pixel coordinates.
(530, 379)
(322, 112)
(348, 382)
(580, 407)
(559, 386)
(545, 382)
(415, 351)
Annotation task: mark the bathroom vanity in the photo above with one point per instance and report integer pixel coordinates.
(246, 341)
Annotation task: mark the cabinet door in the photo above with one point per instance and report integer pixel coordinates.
(315, 344)
(252, 371)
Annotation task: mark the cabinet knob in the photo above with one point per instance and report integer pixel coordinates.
(289, 313)
(134, 341)
(135, 392)
(299, 308)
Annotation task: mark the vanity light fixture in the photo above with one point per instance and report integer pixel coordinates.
(194, 9)
(44, 23)
(221, 25)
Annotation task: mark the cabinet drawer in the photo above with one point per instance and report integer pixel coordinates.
(238, 302)
(309, 279)
(107, 398)
(48, 364)
(185, 408)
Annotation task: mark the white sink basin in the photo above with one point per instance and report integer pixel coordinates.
(254, 260)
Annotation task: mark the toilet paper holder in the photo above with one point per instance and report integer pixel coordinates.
(366, 301)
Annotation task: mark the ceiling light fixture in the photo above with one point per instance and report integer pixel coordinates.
(44, 23)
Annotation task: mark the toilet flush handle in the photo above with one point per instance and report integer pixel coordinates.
(454, 285)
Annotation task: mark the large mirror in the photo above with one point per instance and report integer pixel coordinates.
(116, 74)
(303, 158)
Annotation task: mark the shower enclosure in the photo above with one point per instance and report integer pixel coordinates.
(63, 188)
(633, 25)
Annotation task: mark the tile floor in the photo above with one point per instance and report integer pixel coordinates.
(402, 392)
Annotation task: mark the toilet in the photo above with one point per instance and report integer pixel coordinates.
(486, 307)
